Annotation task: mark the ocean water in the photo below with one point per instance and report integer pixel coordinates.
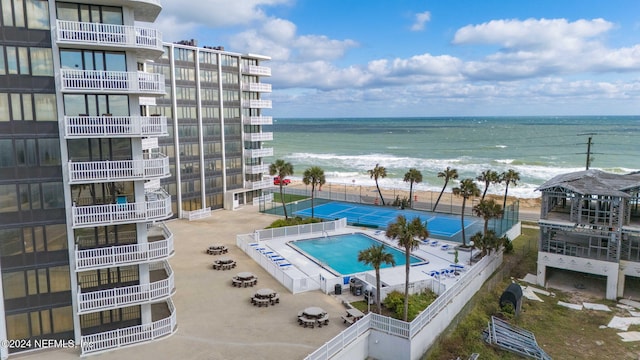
(536, 147)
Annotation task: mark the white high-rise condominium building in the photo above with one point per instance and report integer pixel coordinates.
(105, 131)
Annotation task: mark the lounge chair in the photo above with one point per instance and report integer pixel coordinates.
(445, 247)
(434, 243)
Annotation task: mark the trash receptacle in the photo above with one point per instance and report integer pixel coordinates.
(338, 289)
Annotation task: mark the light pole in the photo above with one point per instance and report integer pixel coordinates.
(471, 243)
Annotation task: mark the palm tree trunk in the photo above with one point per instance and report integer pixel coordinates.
(313, 190)
(406, 285)
(464, 203)
(439, 196)
(378, 305)
(380, 193)
(284, 206)
(486, 187)
(411, 195)
(504, 202)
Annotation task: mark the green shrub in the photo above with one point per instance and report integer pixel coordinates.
(292, 222)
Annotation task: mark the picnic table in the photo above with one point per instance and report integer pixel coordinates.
(265, 297)
(352, 316)
(217, 249)
(224, 264)
(313, 315)
(244, 279)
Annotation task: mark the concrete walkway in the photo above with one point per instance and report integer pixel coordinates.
(216, 320)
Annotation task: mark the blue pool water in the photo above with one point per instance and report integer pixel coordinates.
(340, 252)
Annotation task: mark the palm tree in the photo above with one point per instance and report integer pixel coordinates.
(447, 174)
(376, 256)
(488, 177)
(466, 189)
(378, 172)
(487, 209)
(282, 169)
(313, 176)
(412, 176)
(509, 177)
(405, 233)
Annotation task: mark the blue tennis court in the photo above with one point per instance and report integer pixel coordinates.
(439, 225)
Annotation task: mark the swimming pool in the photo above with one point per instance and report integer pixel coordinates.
(340, 252)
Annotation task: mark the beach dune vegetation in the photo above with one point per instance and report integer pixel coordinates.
(466, 189)
(378, 172)
(314, 176)
(409, 235)
(413, 176)
(282, 169)
(447, 174)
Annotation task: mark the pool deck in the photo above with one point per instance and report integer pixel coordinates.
(304, 267)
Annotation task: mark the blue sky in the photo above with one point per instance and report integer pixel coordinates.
(349, 58)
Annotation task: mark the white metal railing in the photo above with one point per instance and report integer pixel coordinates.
(262, 199)
(157, 206)
(149, 143)
(256, 87)
(263, 136)
(258, 153)
(257, 169)
(154, 166)
(129, 295)
(258, 120)
(316, 228)
(256, 70)
(108, 35)
(114, 126)
(261, 184)
(112, 81)
(257, 104)
(99, 342)
(119, 255)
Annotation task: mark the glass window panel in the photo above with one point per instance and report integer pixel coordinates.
(89, 61)
(119, 105)
(38, 233)
(13, 285)
(84, 14)
(16, 107)
(59, 279)
(18, 8)
(8, 198)
(24, 196)
(27, 107)
(36, 203)
(62, 319)
(115, 62)
(3, 71)
(45, 105)
(11, 243)
(35, 323)
(32, 282)
(31, 158)
(21, 157)
(56, 237)
(4, 107)
(71, 59)
(43, 286)
(7, 14)
(67, 11)
(37, 14)
(45, 318)
(111, 15)
(41, 62)
(23, 57)
(7, 158)
(102, 104)
(12, 60)
(18, 326)
(27, 234)
(51, 195)
(49, 152)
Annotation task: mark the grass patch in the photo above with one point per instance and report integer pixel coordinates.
(288, 198)
(562, 333)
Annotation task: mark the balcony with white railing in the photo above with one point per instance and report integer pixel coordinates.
(154, 166)
(112, 82)
(130, 254)
(255, 185)
(257, 169)
(256, 70)
(147, 42)
(256, 87)
(119, 297)
(114, 126)
(157, 206)
(257, 104)
(263, 136)
(160, 326)
(258, 153)
(258, 120)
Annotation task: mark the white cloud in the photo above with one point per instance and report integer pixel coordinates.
(420, 20)
(218, 13)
